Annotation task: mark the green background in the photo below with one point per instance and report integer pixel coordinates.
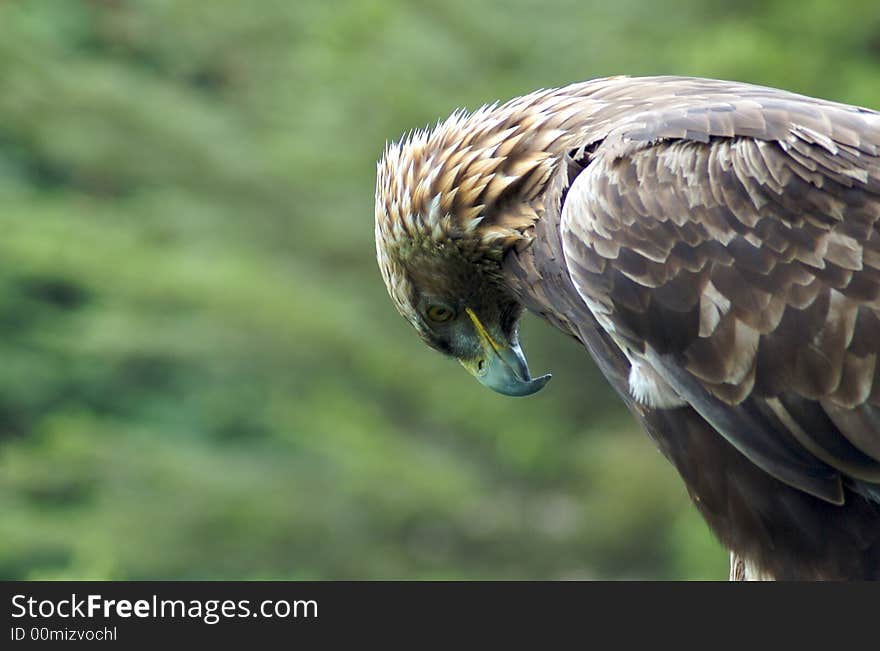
(201, 375)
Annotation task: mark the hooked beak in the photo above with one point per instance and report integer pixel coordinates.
(502, 368)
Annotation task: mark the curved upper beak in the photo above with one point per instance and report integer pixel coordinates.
(502, 368)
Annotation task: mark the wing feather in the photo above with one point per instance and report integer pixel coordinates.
(733, 246)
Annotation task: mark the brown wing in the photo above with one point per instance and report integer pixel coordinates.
(732, 246)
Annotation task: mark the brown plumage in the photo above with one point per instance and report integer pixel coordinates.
(714, 247)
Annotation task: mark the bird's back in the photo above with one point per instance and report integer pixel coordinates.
(795, 491)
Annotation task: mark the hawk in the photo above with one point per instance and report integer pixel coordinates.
(713, 245)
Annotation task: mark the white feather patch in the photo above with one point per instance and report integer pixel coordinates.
(649, 388)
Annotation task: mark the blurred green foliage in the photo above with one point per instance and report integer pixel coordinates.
(200, 373)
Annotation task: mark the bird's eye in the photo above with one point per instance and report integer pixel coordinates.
(439, 313)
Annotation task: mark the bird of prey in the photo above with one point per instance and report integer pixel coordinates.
(713, 245)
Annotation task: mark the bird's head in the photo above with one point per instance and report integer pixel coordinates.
(450, 204)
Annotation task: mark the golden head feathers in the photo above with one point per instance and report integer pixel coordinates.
(472, 186)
